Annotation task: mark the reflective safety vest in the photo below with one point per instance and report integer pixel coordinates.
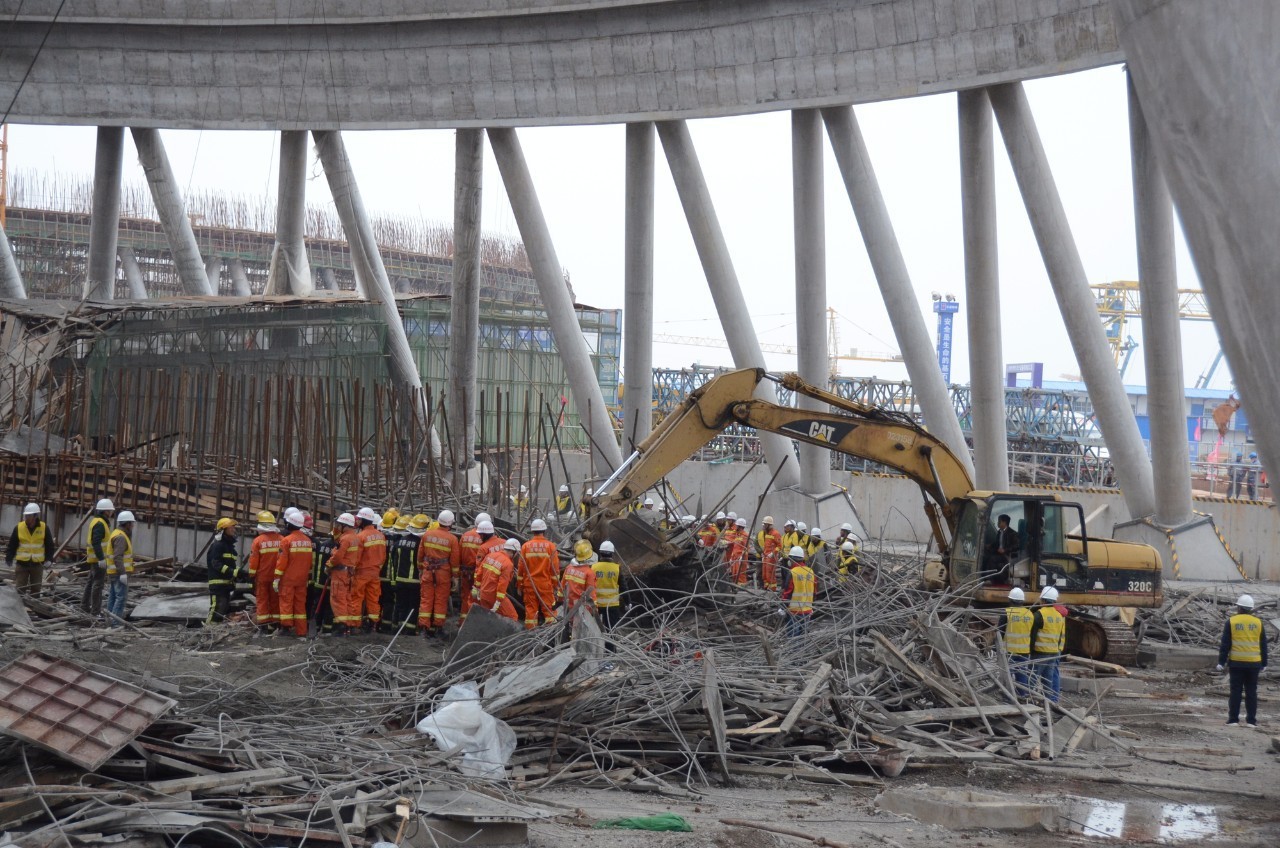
(804, 585)
(847, 563)
(770, 543)
(815, 547)
(579, 581)
(469, 544)
(387, 574)
(1017, 632)
(564, 505)
(1052, 635)
(30, 543)
(347, 553)
(294, 563)
(439, 549)
(373, 549)
(607, 578)
(321, 550)
(405, 554)
(708, 536)
(1246, 638)
(94, 523)
(126, 560)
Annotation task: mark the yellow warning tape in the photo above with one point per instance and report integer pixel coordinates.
(1239, 564)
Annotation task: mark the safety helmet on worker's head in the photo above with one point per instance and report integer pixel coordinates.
(689, 520)
(266, 517)
(816, 532)
(564, 490)
(346, 518)
(847, 527)
(648, 501)
(419, 524)
(224, 523)
(482, 518)
(720, 516)
(590, 491)
(445, 518)
(797, 552)
(606, 547)
(308, 523)
(367, 514)
(789, 523)
(768, 519)
(847, 547)
(125, 517)
(31, 509)
(511, 544)
(740, 522)
(1016, 594)
(1245, 602)
(582, 550)
(402, 523)
(523, 489)
(105, 505)
(538, 526)
(290, 510)
(802, 527)
(485, 528)
(1048, 594)
(389, 519)
(1253, 456)
(297, 518)
(732, 516)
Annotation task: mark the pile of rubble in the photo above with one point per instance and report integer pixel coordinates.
(1193, 617)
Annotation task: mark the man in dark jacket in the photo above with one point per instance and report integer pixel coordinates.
(222, 562)
(1244, 652)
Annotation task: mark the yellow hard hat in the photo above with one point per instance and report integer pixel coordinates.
(420, 522)
(402, 523)
(266, 517)
(389, 518)
(224, 523)
(582, 550)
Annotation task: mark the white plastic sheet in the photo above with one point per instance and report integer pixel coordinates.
(460, 723)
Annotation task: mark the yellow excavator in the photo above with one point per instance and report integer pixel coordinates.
(1053, 548)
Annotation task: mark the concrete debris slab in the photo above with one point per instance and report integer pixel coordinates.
(13, 612)
(516, 683)
(476, 637)
(179, 608)
(463, 817)
(80, 715)
(968, 810)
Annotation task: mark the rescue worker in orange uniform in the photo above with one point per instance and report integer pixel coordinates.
(470, 558)
(537, 574)
(578, 583)
(735, 552)
(493, 576)
(342, 570)
(290, 577)
(769, 546)
(366, 588)
(439, 562)
(709, 535)
(262, 570)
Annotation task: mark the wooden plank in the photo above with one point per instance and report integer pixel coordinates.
(215, 781)
(802, 772)
(810, 690)
(946, 714)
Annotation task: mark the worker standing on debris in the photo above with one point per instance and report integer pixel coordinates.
(1018, 621)
(584, 505)
(847, 561)
(818, 551)
(846, 534)
(96, 555)
(735, 555)
(439, 563)
(30, 547)
(578, 583)
(222, 562)
(366, 588)
(386, 575)
(1244, 652)
(1048, 638)
(342, 569)
(564, 505)
(400, 546)
(469, 561)
(119, 566)
(536, 575)
(493, 576)
(709, 535)
(608, 588)
(802, 586)
(520, 500)
(802, 535)
(769, 547)
(790, 537)
(262, 571)
(319, 612)
(290, 581)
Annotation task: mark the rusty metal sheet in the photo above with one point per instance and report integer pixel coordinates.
(82, 716)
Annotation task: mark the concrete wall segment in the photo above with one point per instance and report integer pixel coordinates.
(385, 64)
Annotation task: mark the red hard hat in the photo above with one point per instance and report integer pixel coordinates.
(308, 522)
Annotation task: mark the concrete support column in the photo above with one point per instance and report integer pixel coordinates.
(717, 265)
(133, 274)
(104, 222)
(1161, 327)
(290, 273)
(240, 285)
(173, 216)
(982, 291)
(1075, 299)
(10, 280)
(330, 279)
(637, 312)
(895, 283)
(464, 299)
(213, 270)
(565, 329)
(809, 221)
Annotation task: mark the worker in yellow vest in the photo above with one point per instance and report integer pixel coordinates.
(1018, 621)
(30, 547)
(802, 586)
(1048, 638)
(119, 566)
(608, 590)
(1244, 652)
(847, 561)
(96, 555)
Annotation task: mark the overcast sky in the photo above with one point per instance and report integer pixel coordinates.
(747, 161)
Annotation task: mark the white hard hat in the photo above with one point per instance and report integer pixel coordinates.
(31, 509)
(564, 489)
(485, 527)
(847, 526)
(446, 518)
(720, 516)
(523, 488)
(648, 501)
(689, 519)
(768, 519)
(1245, 602)
(125, 517)
(1048, 593)
(481, 518)
(538, 525)
(741, 522)
(347, 519)
(105, 505)
(512, 544)
(797, 552)
(606, 547)
(297, 518)
(847, 547)
(802, 527)
(789, 523)
(817, 531)
(1016, 594)
(290, 510)
(590, 491)
(733, 516)
(366, 513)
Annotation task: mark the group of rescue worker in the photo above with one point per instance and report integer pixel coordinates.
(398, 572)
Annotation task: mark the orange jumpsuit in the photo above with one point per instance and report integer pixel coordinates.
(735, 555)
(493, 576)
(262, 568)
(293, 566)
(537, 575)
(439, 556)
(346, 556)
(770, 544)
(708, 536)
(579, 581)
(366, 588)
(468, 560)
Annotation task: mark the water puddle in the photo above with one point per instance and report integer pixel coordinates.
(1140, 821)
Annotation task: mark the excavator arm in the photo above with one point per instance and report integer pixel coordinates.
(867, 432)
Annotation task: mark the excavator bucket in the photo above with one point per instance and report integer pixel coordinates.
(640, 546)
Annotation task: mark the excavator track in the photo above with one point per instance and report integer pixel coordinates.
(1100, 639)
